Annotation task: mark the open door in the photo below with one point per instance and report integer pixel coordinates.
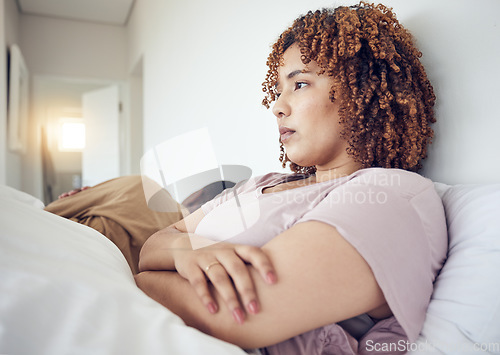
(101, 155)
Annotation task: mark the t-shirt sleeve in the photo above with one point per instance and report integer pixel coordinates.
(401, 233)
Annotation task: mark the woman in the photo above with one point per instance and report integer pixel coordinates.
(349, 245)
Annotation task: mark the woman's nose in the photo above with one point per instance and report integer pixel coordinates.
(281, 108)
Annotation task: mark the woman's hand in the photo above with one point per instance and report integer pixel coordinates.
(72, 192)
(224, 266)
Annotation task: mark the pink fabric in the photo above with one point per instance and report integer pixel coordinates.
(386, 337)
(330, 339)
(394, 218)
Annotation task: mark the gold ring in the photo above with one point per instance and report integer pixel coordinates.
(210, 265)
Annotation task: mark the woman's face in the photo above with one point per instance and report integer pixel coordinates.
(308, 120)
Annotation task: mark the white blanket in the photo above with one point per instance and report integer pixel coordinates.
(66, 289)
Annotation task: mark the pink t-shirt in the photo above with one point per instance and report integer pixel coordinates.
(394, 218)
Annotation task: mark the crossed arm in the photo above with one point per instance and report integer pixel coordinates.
(321, 279)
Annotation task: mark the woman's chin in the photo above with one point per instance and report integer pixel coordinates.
(300, 162)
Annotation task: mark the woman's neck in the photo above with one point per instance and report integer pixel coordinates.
(338, 171)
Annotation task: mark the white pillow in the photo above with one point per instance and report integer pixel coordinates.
(464, 312)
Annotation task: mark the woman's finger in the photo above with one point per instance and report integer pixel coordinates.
(198, 281)
(63, 195)
(218, 276)
(259, 260)
(242, 281)
(73, 192)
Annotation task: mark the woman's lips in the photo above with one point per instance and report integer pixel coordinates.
(285, 133)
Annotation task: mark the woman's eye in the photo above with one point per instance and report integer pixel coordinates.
(300, 85)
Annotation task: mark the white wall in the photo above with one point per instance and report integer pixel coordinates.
(461, 45)
(204, 63)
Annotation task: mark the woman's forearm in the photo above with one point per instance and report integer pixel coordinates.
(174, 292)
(156, 253)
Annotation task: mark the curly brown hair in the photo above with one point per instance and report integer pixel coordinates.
(386, 101)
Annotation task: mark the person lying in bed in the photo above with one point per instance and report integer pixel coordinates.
(345, 249)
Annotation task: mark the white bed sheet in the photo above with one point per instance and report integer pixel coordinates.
(66, 289)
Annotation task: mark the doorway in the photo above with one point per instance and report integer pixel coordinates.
(57, 100)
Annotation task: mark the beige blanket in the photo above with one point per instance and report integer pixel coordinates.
(117, 208)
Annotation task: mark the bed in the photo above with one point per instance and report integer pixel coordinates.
(67, 289)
